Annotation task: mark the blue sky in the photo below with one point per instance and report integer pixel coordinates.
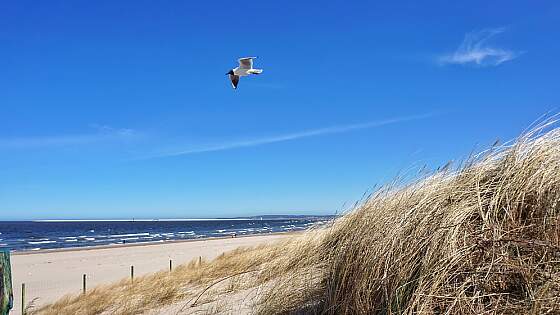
(121, 109)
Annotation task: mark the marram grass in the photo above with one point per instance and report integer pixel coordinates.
(483, 238)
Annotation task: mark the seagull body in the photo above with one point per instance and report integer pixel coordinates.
(245, 68)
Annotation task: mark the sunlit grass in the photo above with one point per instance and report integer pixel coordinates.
(481, 238)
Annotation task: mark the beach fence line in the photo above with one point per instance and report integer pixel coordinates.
(34, 294)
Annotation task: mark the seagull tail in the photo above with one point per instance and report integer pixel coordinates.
(255, 71)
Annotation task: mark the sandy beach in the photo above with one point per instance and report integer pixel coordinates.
(49, 275)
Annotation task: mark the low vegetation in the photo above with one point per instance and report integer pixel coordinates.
(483, 237)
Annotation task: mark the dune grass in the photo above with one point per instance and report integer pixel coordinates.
(481, 238)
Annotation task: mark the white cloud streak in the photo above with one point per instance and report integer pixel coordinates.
(102, 133)
(290, 136)
(476, 50)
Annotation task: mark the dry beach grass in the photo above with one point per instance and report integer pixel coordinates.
(481, 238)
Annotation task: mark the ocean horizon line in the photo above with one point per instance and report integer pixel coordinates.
(249, 218)
(141, 220)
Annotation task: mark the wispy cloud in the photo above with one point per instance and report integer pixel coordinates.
(101, 133)
(290, 136)
(476, 50)
(108, 130)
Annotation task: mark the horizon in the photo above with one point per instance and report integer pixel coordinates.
(247, 218)
(122, 110)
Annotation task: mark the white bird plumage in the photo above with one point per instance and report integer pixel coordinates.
(245, 68)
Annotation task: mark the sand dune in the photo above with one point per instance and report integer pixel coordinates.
(478, 238)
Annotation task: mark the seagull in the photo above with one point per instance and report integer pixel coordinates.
(245, 68)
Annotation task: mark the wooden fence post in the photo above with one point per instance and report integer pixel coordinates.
(170, 265)
(132, 274)
(23, 298)
(84, 287)
(6, 293)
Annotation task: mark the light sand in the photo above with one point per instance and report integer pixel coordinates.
(49, 275)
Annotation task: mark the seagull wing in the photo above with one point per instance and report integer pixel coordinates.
(234, 80)
(246, 63)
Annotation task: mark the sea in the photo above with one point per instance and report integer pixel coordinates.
(40, 235)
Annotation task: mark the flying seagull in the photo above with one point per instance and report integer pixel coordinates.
(245, 68)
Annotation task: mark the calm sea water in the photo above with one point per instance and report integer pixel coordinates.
(48, 235)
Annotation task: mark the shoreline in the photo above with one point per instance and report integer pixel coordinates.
(51, 274)
(140, 244)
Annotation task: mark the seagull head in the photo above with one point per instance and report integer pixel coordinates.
(230, 72)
